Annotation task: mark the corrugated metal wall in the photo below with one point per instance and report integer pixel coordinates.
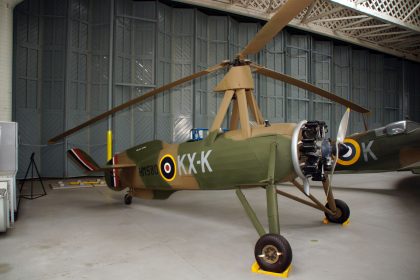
(61, 76)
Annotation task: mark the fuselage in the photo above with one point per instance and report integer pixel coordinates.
(227, 160)
(389, 148)
(220, 161)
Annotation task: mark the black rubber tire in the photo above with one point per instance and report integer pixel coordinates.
(344, 212)
(282, 246)
(128, 199)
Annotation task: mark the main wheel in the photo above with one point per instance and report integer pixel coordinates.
(128, 199)
(273, 253)
(342, 214)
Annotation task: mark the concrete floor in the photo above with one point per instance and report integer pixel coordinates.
(91, 234)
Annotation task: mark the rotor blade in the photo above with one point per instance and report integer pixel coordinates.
(304, 85)
(277, 22)
(137, 100)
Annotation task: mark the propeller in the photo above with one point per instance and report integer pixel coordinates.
(304, 85)
(341, 135)
(139, 99)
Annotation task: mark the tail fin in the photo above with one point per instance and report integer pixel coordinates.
(84, 160)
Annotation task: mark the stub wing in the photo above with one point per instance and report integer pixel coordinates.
(116, 166)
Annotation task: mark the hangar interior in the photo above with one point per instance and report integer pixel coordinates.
(71, 60)
(69, 66)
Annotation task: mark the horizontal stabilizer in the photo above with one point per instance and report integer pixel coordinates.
(117, 166)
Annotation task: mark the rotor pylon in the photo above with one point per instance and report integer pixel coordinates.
(238, 89)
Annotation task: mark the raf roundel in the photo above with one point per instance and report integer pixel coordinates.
(353, 154)
(167, 168)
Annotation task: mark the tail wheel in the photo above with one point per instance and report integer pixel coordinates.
(273, 253)
(342, 213)
(128, 199)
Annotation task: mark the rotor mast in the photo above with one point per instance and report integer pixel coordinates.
(238, 88)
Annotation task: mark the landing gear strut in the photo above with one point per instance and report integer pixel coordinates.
(272, 251)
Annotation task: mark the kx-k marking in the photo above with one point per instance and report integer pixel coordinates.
(194, 161)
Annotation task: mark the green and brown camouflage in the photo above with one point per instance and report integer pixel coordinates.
(393, 147)
(220, 161)
(227, 160)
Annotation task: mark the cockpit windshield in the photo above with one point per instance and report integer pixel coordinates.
(396, 128)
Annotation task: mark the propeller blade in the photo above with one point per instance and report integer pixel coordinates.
(342, 129)
(304, 85)
(139, 99)
(285, 14)
(306, 186)
(341, 134)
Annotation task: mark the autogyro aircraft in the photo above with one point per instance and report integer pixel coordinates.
(260, 155)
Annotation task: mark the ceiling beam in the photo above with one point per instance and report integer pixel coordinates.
(310, 27)
(365, 27)
(395, 38)
(378, 15)
(308, 11)
(339, 18)
(321, 15)
(354, 23)
(375, 32)
(386, 34)
(412, 11)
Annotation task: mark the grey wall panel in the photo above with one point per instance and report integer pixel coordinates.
(29, 137)
(233, 37)
(359, 93)
(164, 73)
(27, 81)
(376, 89)
(77, 93)
(52, 160)
(182, 65)
(321, 59)
(218, 51)
(297, 65)
(122, 121)
(53, 87)
(201, 63)
(272, 92)
(413, 85)
(392, 104)
(342, 84)
(144, 73)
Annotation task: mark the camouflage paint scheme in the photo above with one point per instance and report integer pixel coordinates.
(220, 161)
(378, 150)
(228, 160)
